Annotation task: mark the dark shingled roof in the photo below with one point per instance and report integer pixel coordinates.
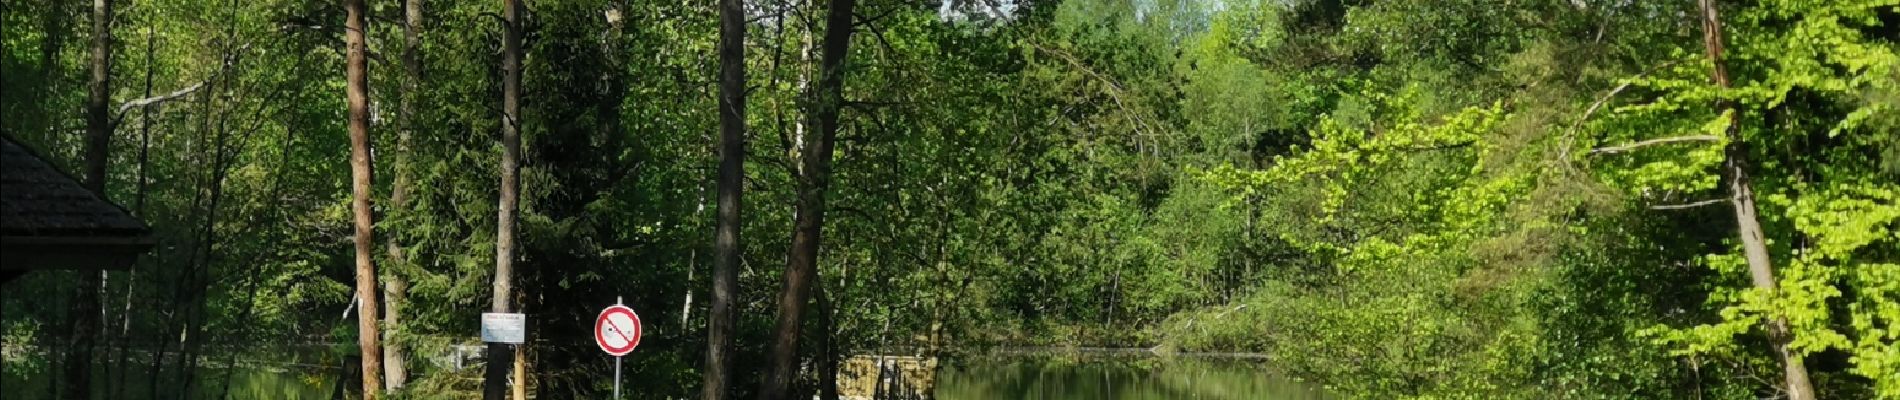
(38, 200)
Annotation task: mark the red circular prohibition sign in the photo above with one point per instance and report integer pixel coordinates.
(617, 330)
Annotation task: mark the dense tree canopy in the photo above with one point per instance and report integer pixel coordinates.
(1392, 198)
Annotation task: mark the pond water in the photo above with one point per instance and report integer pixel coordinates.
(1124, 377)
(1041, 376)
(231, 383)
(287, 373)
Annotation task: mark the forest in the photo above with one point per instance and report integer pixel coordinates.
(1385, 198)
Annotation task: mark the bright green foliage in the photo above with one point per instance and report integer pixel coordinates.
(1807, 81)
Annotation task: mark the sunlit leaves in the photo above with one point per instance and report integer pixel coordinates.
(1802, 70)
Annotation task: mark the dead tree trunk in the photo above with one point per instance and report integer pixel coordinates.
(801, 267)
(356, 90)
(1754, 246)
(726, 237)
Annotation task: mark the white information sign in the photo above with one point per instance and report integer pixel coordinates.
(505, 328)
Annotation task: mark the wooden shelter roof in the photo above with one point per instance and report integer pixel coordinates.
(49, 221)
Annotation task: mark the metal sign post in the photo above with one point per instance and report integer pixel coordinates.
(617, 359)
(617, 331)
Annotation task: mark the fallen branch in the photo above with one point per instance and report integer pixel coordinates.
(1652, 142)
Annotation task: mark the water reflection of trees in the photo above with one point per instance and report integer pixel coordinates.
(1130, 379)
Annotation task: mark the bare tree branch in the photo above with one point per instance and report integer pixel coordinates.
(1652, 142)
(148, 101)
(1571, 134)
(1598, 105)
(869, 20)
(1688, 205)
(163, 97)
(1113, 89)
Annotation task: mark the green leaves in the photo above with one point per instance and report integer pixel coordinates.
(1341, 157)
(1802, 70)
(1852, 225)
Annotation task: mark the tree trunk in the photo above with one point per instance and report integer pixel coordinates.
(692, 266)
(1754, 246)
(52, 77)
(175, 324)
(520, 389)
(823, 103)
(98, 117)
(613, 86)
(138, 208)
(726, 237)
(827, 346)
(395, 293)
(85, 306)
(198, 277)
(356, 89)
(145, 124)
(499, 355)
(395, 285)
